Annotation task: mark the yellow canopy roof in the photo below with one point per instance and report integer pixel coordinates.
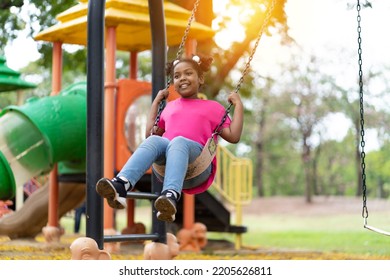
(131, 19)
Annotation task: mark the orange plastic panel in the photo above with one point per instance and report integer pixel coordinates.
(128, 92)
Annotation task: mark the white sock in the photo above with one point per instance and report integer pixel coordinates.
(172, 193)
(127, 183)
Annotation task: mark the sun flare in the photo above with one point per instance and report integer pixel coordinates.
(231, 21)
(228, 32)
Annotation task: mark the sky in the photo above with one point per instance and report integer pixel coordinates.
(326, 28)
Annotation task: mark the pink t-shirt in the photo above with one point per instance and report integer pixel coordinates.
(194, 119)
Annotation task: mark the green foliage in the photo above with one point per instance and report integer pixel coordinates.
(144, 60)
(33, 17)
(378, 176)
(336, 169)
(11, 25)
(283, 168)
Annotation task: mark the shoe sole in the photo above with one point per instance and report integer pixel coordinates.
(105, 189)
(166, 210)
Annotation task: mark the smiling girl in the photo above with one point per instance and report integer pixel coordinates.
(182, 131)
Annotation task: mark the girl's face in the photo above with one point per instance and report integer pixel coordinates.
(186, 80)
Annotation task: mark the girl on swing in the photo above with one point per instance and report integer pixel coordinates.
(182, 131)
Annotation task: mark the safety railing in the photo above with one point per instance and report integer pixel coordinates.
(233, 183)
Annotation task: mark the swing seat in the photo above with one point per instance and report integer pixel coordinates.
(199, 165)
(377, 230)
(374, 229)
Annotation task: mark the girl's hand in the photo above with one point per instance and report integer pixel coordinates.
(234, 98)
(162, 94)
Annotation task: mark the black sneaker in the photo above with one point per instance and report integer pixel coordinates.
(115, 191)
(165, 204)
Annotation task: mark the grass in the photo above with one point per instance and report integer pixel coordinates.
(330, 234)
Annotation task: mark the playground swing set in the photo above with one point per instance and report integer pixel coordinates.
(210, 149)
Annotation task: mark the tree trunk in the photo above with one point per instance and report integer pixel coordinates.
(307, 170)
(316, 157)
(259, 168)
(381, 193)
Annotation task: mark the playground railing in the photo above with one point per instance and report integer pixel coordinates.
(233, 183)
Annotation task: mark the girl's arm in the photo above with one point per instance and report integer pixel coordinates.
(161, 95)
(232, 133)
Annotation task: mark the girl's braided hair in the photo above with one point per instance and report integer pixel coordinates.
(200, 63)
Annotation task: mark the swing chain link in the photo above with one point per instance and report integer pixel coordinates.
(162, 104)
(187, 30)
(247, 65)
(361, 94)
(217, 130)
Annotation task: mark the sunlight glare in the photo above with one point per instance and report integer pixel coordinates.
(233, 30)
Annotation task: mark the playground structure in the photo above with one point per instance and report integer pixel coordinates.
(57, 142)
(10, 79)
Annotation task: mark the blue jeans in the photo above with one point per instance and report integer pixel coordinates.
(175, 155)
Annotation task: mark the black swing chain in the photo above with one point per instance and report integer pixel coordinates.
(361, 94)
(247, 64)
(187, 30)
(161, 106)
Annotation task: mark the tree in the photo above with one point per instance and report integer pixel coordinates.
(227, 60)
(373, 117)
(270, 139)
(305, 89)
(40, 14)
(6, 4)
(335, 168)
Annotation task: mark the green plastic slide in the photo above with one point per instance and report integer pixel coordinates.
(42, 132)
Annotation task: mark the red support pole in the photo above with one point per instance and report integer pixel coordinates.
(53, 181)
(109, 118)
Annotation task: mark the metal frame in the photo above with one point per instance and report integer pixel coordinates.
(95, 114)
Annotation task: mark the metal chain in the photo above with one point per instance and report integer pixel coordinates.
(361, 94)
(161, 106)
(247, 64)
(184, 39)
